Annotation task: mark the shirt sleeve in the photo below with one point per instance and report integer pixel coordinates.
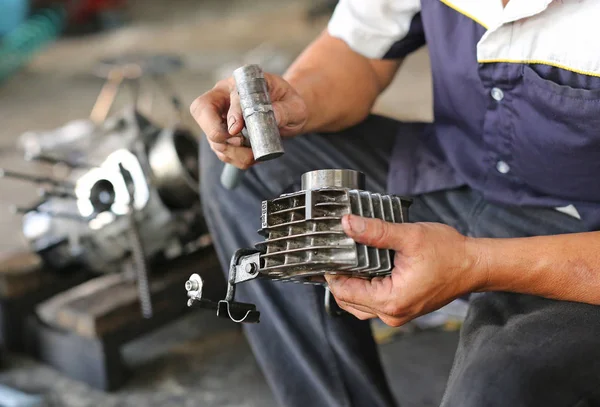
(379, 29)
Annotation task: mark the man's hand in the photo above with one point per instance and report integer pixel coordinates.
(434, 264)
(219, 114)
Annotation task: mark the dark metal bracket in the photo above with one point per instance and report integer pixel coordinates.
(244, 266)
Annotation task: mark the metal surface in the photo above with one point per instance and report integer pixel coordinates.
(139, 260)
(243, 267)
(333, 179)
(260, 123)
(304, 238)
(231, 176)
(128, 194)
(258, 113)
(173, 159)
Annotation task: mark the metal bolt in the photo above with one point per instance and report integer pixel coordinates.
(250, 268)
(191, 285)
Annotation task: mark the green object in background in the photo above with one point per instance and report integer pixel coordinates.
(14, 12)
(19, 45)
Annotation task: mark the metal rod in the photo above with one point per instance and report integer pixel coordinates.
(4, 173)
(138, 253)
(52, 160)
(56, 193)
(107, 96)
(19, 210)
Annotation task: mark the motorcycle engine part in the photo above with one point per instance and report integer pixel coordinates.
(303, 230)
(173, 159)
(304, 239)
(84, 218)
(130, 193)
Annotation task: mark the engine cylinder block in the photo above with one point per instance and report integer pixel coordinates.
(304, 238)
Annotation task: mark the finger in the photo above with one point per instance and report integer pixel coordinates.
(289, 114)
(392, 321)
(236, 141)
(359, 308)
(235, 120)
(208, 110)
(218, 147)
(356, 312)
(375, 232)
(241, 157)
(223, 158)
(368, 293)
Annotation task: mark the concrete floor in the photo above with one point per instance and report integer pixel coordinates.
(202, 361)
(192, 362)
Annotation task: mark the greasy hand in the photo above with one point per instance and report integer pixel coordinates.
(434, 264)
(219, 114)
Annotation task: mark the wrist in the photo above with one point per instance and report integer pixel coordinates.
(478, 255)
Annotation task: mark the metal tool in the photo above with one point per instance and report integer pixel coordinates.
(261, 126)
(304, 240)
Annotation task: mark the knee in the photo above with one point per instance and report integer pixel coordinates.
(491, 381)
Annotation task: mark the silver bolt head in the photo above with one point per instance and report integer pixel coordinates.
(191, 285)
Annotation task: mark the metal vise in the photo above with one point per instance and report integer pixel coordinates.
(304, 239)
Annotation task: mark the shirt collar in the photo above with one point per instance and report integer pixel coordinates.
(520, 9)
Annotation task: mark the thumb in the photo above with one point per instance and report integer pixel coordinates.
(235, 119)
(374, 232)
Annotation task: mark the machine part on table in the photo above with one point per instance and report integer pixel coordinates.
(304, 239)
(129, 194)
(83, 219)
(262, 131)
(174, 162)
(139, 259)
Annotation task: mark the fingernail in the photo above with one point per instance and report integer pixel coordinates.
(234, 141)
(219, 147)
(354, 224)
(231, 122)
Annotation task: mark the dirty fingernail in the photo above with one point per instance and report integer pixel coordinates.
(355, 224)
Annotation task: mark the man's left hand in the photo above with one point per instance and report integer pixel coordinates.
(434, 264)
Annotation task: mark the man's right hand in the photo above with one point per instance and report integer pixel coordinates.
(219, 115)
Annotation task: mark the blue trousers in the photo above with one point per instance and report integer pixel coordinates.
(514, 351)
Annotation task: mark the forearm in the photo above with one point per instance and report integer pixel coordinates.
(565, 267)
(338, 85)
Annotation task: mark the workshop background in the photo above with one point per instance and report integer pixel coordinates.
(197, 360)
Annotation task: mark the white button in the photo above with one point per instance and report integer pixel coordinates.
(497, 94)
(502, 167)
